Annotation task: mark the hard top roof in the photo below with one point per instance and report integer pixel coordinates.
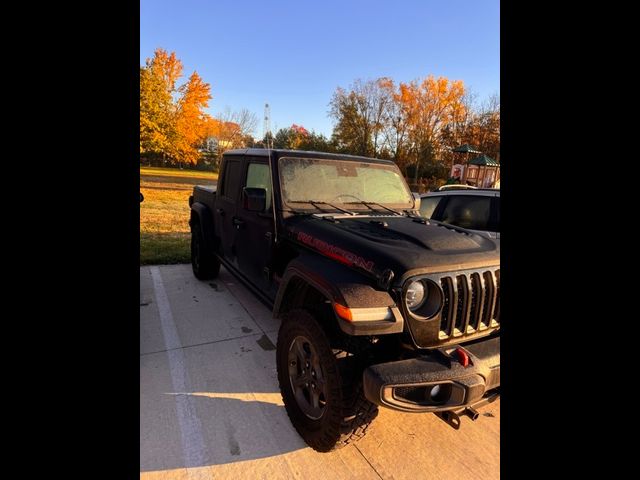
(474, 191)
(279, 152)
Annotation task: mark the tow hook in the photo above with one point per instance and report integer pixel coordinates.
(457, 354)
(472, 413)
(452, 417)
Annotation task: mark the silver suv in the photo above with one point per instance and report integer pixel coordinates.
(477, 209)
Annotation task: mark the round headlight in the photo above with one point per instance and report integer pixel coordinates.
(415, 295)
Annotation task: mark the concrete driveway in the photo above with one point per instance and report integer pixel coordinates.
(210, 406)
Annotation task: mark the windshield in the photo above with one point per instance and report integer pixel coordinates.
(342, 182)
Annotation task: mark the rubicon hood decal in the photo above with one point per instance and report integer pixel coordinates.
(337, 253)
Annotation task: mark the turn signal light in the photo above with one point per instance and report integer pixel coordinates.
(363, 314)
(343, 312)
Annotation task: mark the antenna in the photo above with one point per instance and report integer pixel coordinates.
(268, 137)
(267, 126)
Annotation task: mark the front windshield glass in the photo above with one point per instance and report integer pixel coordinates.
(342, 182)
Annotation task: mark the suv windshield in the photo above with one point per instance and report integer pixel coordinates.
(342, 182)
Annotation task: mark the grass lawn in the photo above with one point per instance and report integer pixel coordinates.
(164, 214)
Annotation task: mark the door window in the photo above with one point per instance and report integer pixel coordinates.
(232, 175)
(258, 177)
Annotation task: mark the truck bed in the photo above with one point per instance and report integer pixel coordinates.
(205, 194)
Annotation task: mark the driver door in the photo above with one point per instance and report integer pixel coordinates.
(254, 235)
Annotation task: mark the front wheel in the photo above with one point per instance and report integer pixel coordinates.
(322, 395)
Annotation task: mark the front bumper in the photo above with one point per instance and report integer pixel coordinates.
(438, 382)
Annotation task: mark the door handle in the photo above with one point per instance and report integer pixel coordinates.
(220, 211)
(237, 222)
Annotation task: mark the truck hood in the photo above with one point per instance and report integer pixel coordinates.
(405, 245)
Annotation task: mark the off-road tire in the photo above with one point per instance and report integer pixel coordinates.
(204, 263)
(347, 413)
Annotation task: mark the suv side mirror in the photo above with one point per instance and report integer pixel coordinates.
(254, 199)
(141, 197)
(416, 201)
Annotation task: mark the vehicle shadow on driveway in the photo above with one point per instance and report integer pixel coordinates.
(213, 428)
(229, 427)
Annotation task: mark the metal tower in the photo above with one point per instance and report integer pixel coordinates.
(266, 134)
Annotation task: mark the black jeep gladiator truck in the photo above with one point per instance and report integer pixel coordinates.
(378, 306)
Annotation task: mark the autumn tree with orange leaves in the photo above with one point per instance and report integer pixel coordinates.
(191, 122)
(403, 123)
(157, 113)
(415, 124)
(394, 126)
(429, 106)
(172, 119)
(235, 128)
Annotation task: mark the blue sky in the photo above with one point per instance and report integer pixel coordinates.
(293, 55)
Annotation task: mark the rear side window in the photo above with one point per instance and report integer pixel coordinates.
(258, 177)
(468, 212)
(428, 205)
(232, 175)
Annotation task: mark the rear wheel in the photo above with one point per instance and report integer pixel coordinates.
(322, 394)
(203, 262)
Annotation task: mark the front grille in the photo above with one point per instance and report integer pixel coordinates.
(471, 303)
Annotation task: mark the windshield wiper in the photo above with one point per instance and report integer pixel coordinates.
(411, 214)
(368, 204)
(291, 210)
(315, 203)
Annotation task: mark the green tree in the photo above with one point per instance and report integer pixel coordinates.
(317, 143)
(284, 138)
(297, 137)
(359, 115)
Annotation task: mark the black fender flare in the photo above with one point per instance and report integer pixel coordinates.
(204, 216)
(342, 285)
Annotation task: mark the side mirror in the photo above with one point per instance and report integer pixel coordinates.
(254, 199)
(141, 197)
(416, 201)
